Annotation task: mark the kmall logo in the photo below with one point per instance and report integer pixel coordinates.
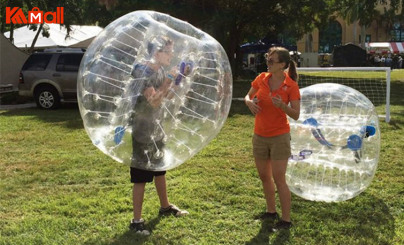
(35, 16)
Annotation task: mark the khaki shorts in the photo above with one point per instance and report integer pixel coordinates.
(274, 148)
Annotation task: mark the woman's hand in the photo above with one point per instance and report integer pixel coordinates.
(277, 101)
(252, 104)
(292, 111)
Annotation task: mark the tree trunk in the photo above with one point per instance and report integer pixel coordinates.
(363, 36)
(3, 23)
(233, 50)
(31, 50)
(11, 38)
(309, 43)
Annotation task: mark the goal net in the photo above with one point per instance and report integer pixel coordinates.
(373, 82)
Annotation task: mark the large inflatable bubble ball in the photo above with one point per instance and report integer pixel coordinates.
(335, 144)
(153, 90)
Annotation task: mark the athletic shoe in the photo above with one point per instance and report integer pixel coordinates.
(174, 210)
(139, 227)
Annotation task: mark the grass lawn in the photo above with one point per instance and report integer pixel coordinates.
(57, 188)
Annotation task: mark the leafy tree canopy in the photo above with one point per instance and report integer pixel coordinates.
(231, 22)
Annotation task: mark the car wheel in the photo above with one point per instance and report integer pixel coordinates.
(47, 98)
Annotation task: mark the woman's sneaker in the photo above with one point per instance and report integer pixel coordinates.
(174, 210)
(139, 227)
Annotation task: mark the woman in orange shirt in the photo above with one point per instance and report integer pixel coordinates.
(273, 95)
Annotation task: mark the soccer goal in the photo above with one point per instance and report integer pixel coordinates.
(373, 82)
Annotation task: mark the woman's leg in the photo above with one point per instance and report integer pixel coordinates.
(279, 174)
(265, 174)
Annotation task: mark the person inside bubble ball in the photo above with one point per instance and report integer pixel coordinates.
(147, 133)
(273, 96)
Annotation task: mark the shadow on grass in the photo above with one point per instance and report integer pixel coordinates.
(395, 122)
(396, 96)
(282, 236)
(363, 218)
(130, 237)
(67, 115)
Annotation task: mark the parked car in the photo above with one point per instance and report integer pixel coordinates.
(50, 77)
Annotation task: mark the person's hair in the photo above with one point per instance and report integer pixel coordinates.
(284, 56)
(158, 44)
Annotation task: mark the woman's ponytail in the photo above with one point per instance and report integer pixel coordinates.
(293, 71)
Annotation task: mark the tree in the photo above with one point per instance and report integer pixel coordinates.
(254, 19)
(231, 22)
(364, 12)
(359, 11)
(71, 16)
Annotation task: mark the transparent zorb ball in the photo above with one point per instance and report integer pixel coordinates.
(108, 92)
(335, 144)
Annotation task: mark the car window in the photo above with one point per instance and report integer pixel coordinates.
(37, 62)
(69, 62)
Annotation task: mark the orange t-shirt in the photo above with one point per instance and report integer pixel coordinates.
(271, 120)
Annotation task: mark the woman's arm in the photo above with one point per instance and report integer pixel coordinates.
(293, 110)
(252, 105)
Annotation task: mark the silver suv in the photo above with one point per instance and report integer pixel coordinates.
(51, 77)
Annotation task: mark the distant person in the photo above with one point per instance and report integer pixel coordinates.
(395, 62)
(383, 61)
(389, 61)
(370, 60)
(377, 60)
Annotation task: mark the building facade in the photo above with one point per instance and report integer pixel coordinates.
(318, 45)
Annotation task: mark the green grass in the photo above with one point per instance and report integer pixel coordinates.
(57, 188)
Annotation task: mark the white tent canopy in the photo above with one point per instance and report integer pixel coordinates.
(385, 47)
(80, 36)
